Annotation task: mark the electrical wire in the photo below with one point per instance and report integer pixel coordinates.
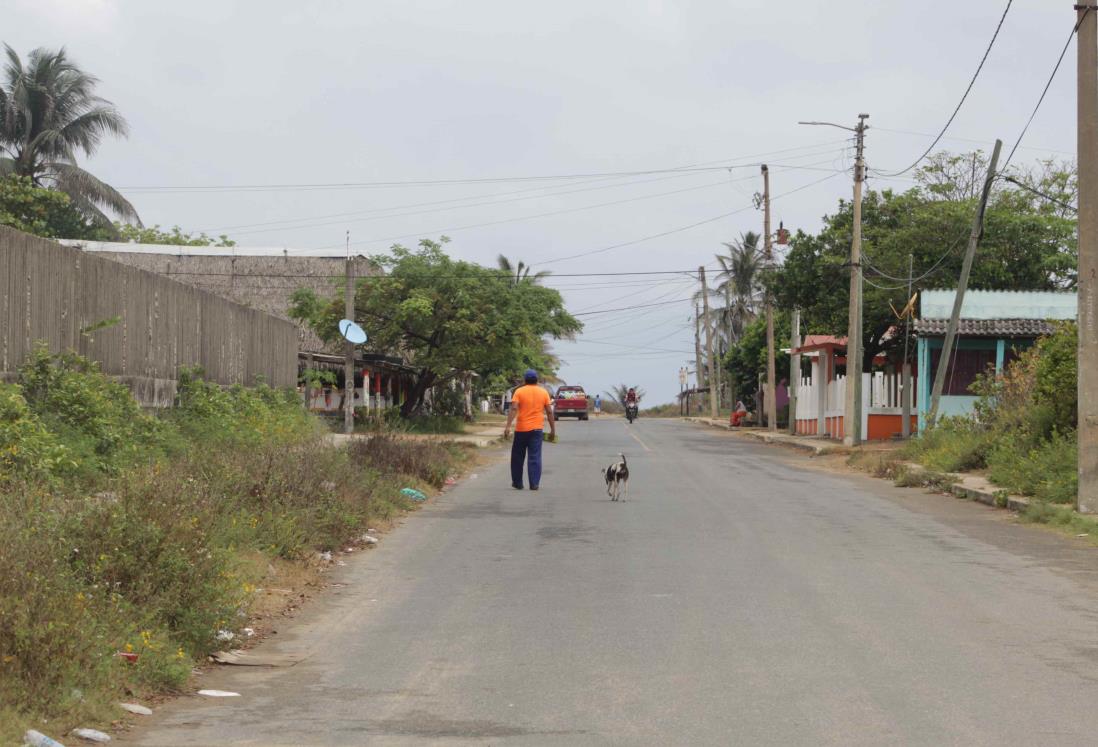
(1044, 92)
(455, 181)
(964, 96)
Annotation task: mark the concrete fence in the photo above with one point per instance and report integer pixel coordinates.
(57, 294)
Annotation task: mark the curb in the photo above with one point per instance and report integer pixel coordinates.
(812, 446)
(994, 498)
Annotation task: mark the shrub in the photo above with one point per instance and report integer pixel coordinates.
(424, 460)
(1045, 469)
(954, 445)
(28, 450)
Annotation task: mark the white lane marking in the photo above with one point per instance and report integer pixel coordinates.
(637, 439)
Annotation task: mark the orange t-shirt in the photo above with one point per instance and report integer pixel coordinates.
(530, 401)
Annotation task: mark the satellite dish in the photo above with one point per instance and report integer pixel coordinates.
(351, 332)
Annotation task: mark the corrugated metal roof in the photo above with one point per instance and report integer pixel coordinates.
(986, 327)
(981, 304)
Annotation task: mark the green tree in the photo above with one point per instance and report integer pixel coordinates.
(48, 114)
(446, 316)
(42, 212)
(1026, 246)
(618, 391)
(738, 284)
(175, 237)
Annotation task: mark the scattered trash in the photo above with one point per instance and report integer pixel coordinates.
(371, 530)
(1084, 534)
(106, 497)
(225, 635)
(349, 549)
(414, 494)
(369, 540)
(341, 562)
(37, 739)
(92, 735)
(450, 480)
(328, 485)
(474, 476)
(248, 632)
(218, 694)
(140, 710)
(129, 656)
(326, 556)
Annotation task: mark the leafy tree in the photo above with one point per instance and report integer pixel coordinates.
(748, 358)
(446, 317)
(175, 237)
(42, 212)
(48, 114)
(1026, 246)
(738, 284)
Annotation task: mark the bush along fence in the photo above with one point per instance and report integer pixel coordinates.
(140, 327)
(128, 541)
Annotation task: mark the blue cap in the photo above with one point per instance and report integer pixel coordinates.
(530, 375)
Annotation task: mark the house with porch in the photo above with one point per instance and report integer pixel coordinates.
(821, 395)
(994, 326)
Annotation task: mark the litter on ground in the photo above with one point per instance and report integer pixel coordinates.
(218, 694)
(92, 735)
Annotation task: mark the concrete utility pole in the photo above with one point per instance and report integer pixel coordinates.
(349, 347)
(905, 380)
(1087, 41)
(771, 374)
(962, 283)
(699, 362)
(708, 344)
(794, 370)
(852, 412)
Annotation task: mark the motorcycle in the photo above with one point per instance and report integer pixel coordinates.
(631, 412)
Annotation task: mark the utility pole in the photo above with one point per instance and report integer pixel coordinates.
(699, 362)
(1087, 433)
(905, 380)
(708, 344)
(771, 404)
(794, 370)
(852, 412)
(962, 283)
(349, 347)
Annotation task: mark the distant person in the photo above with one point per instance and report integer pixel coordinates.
(530, 407)
(598, 405)
(738, 413)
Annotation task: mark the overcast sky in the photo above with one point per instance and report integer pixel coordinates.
(228, 94)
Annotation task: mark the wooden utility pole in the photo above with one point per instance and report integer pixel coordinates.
(349, 347)
(1087, 433)
(852, 411)
(771, 404)
(962, 283)
(794, 370)
(708, 344)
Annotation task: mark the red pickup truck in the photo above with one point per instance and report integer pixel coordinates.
(571, 401)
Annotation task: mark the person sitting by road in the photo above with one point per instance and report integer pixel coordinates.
(738, 413)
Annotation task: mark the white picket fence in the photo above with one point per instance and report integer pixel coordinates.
(882, 394)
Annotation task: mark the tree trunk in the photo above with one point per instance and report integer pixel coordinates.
(414, 402)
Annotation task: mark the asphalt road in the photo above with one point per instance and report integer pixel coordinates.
(737, 597)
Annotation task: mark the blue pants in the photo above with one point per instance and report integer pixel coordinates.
(527, 444)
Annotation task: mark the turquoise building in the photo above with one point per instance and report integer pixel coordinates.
(994, 326)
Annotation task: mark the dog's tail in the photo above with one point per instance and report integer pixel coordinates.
(623, 460)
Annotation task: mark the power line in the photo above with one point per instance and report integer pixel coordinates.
(1041, 194)
(965, 139)
(964, 96)
(456, 181)
(1048, 84)
(630, 308)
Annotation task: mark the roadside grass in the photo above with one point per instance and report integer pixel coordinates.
(1062, 518)
(125, 533)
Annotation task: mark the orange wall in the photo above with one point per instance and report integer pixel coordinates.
(884, 427)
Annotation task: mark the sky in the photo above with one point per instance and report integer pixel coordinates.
(288, 124)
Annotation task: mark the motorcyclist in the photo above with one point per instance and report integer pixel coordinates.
(631, 397)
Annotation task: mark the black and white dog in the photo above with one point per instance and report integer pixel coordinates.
(617, 479)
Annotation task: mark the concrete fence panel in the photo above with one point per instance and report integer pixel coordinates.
(57, 294)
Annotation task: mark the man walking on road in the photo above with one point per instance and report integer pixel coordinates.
(530, 405)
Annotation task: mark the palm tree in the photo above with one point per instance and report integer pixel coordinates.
(739, 284)
(48, 114)
(519, 271)
(618, 391)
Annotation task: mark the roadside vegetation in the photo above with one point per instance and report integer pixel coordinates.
(1023, 431)
(127, 534)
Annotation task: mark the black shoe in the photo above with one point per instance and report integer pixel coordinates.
(519, 487)
(533, 487)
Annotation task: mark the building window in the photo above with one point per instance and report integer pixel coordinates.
(965, 366)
